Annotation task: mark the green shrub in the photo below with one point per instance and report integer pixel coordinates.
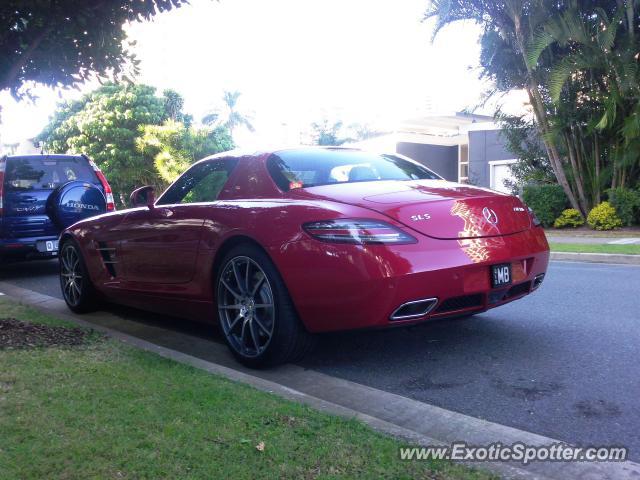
(603, 217)
(546, 201)
(569, 218)
(627, 204)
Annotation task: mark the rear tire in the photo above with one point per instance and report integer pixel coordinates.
(77, 290)
(257, 317)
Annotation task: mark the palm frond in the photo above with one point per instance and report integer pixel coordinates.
(563, 70)
(607, 30)
(539, 43)
(609, 117)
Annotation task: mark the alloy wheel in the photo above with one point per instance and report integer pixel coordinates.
(71, 273)
(246, 306)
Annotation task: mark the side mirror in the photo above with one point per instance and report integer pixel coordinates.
(143, 197)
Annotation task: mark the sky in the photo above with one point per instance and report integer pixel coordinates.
(295, 62)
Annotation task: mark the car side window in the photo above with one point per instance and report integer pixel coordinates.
(201, 183)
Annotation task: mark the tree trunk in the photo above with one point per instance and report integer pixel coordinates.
(596, 154)
(630, 17)
(573, 153)
(614, 175)
(541, 115)
(552, 151)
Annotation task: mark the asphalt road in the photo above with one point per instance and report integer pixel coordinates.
(563, 362)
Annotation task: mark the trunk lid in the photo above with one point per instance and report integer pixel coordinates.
(436, 208)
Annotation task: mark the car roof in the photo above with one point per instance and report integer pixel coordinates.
(238, 153)
(53, 156)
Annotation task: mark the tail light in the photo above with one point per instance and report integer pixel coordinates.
(108, 193)
(3, 165)
(360, 232)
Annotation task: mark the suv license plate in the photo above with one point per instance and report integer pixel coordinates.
(501, 275)
(48, 246)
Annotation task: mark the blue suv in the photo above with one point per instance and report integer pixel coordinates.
(41, 195)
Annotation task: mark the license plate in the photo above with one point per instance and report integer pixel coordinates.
(49, 246)
(501, 275)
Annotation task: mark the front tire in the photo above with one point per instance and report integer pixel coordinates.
(77, 289)
(257, 317)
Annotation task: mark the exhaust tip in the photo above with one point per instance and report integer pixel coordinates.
(537, 281)
(414, 309)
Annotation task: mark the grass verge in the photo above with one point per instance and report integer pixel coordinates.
(595, 248)
(107, 410)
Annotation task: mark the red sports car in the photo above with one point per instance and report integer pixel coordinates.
(281, 245)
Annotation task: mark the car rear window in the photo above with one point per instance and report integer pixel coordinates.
(46, 173)
(311, 168)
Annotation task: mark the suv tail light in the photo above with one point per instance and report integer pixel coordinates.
(3, 165)
(361, 232)
(108, 193)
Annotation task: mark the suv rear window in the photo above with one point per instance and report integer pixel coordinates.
(303, 168)
(45, 173)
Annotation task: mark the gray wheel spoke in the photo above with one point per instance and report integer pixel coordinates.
(235, 322)
(242, 341)
(262, 327)
(72, 293)
(237, 276)
(226, 285)
(246, 277)
(257, 286)
(263, 305)
(254, 336)
(231, 307)
(65, 261)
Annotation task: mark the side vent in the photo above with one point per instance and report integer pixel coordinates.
(108, 258)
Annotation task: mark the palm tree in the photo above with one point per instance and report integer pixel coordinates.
(578, 62)
(228, 116)
(599, 49)
(235, 118)
(510, 25)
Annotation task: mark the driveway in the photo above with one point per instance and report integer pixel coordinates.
(561, 363)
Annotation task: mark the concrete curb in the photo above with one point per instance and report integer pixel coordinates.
(416, 422)
(597, 258)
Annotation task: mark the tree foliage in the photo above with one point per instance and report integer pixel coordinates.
(64, 42)
(174, 146)
(327, 133)
(577, 60)
(109, 125)
(520, 136)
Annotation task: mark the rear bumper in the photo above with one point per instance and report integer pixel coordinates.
(341, 287)
(26, 247)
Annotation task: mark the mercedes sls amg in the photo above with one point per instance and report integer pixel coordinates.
(276, 247)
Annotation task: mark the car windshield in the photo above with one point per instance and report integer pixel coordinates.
(45, 173)
(303, 168)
